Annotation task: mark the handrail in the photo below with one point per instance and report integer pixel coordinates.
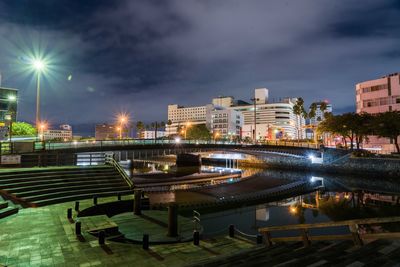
(111, 161)
(353, 225)
(330, 224)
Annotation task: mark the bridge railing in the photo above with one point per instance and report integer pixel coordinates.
(6, 147)
(354, 231)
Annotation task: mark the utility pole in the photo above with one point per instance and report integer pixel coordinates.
(255, 119)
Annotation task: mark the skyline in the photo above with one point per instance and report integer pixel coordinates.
(138, 57)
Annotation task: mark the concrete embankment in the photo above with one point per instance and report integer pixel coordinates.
(344, 164)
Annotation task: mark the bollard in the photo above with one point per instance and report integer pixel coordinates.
(172, 219)
(231, 230)
(69, 213)
(259, 239)
(102, 237)
(137, 202)
(76, 205)
(196, 238)
(78, 227)
(119, 197)
(145, 241)
(95, 200)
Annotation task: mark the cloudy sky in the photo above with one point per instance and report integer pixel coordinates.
(139, 56)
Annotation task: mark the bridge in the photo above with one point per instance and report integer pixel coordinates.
(106, 145)
(70, 153)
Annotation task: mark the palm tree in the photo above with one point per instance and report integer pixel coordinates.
(298, 109)
(169, 123)
(139, 127)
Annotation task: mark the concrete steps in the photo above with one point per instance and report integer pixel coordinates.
(45, 186)
(6, 210)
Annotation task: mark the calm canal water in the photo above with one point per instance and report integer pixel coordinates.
(343, 197)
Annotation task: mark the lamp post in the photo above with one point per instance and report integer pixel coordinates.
(122, 120)
(9, 116)
(186, 128)
(119, 129)
(216, 135)
(42, 127)
(255, 118)
(39, 66)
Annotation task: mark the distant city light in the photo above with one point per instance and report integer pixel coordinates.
(293, 210)
(12, 98)
(177, 140)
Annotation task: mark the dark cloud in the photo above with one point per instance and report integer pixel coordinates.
(139, 56)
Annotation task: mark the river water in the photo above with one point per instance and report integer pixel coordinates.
(342, 198)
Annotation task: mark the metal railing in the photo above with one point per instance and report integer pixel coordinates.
(109, 159)
(196, 220)
(353, 225)
(5, 147)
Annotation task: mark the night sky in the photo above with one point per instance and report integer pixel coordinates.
(139, 56)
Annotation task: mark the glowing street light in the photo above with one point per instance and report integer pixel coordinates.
(39, 66)
(293, 210)
(12, 98)
(122, 119)
(42, 126)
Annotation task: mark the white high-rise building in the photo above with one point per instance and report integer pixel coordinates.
(273, 120)
(151, 134)
(226, 123)
(181, 116)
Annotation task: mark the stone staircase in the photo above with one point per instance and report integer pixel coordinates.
(45, 186)
(6, 209)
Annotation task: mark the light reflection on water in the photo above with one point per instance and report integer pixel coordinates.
(344, 197)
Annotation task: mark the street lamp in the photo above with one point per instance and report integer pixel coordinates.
(119, 129)
(39, 66)
(122, 120)
(255, 118)
(42, 127)
(188, 124)
(216, 135)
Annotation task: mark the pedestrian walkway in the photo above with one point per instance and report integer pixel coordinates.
(45, 237)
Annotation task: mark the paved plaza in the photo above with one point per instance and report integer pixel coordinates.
(45, 237)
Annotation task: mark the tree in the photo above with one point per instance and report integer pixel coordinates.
(362, 126)
(140, 126)
(387, 125)
(298, 109)
(169, 123)
(23, 129)
(353, 126)
(198, 132)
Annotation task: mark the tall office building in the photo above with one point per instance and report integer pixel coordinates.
(376, 96)
(226, 123)
(180, 116)
(274, 120)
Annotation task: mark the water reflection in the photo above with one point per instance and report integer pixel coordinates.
(310, 208)
(342, 197)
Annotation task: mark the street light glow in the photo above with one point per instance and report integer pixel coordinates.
(12, 98)
(39, 65)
